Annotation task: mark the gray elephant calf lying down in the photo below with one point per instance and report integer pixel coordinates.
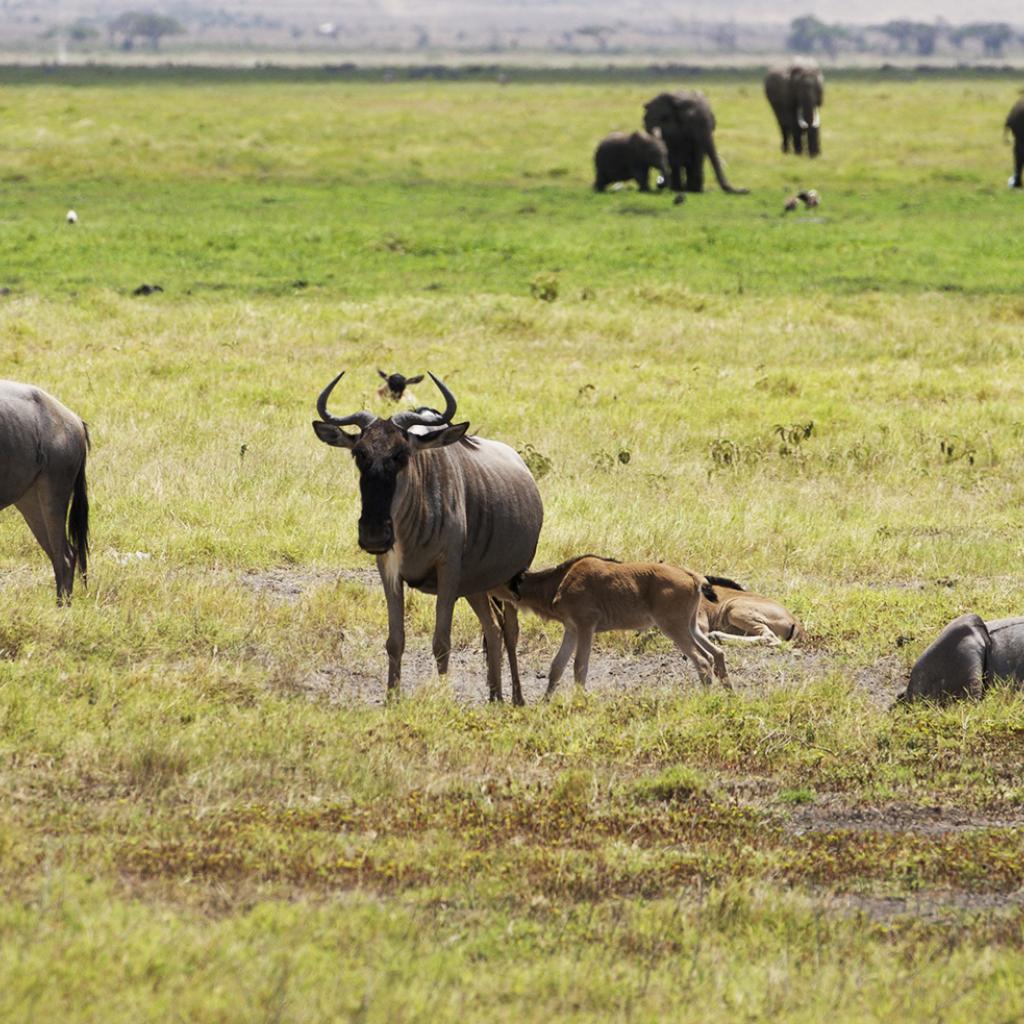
(966, 656)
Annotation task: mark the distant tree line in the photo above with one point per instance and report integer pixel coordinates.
(808, 34)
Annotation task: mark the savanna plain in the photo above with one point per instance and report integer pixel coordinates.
(209, 814)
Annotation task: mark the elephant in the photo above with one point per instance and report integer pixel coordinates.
(620, 157)
(796, 93)
(1015, 123)
(687, 128)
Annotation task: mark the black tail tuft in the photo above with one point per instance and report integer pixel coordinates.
(709, 592)
(78, 519)
(724, 581)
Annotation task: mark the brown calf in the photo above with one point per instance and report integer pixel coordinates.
(740, 616)
(590, 594)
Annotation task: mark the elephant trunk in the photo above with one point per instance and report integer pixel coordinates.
(720, 173)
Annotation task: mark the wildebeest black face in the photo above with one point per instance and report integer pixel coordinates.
(382, 450)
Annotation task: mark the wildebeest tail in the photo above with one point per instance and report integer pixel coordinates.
(724, 581)
(78, 517)
(709, 592)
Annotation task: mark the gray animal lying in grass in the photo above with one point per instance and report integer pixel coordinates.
(741, 616)
(590, 594)
(622, 157)
(965, 657)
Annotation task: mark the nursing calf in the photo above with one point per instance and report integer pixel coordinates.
(591, 595)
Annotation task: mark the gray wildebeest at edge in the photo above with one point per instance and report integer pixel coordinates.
(43, 447)
(966, 657)
(447, 514)
(590, 594)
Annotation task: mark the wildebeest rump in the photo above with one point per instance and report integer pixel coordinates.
(43, 448)
(964, 659)
(446, 514)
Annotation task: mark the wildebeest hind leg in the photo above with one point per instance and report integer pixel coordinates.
(46, 519)
(509, 616)
(481, 605)
(581, 663)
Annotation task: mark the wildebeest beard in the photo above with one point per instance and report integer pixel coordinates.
(376, 531)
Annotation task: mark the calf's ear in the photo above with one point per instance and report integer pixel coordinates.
(438, 438)
(332, 435)
(414, 380)
(382, 373)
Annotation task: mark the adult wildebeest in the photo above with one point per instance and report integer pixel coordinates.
(965, 657)
(450, 515)
(590, 594)
(741, 616)
(43, 447)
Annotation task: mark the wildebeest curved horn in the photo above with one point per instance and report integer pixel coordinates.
(428, 417)
(359, 419)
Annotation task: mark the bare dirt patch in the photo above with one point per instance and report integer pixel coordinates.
(832, 816)
(753, 669)
(286, 583)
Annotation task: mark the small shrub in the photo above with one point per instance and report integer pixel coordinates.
(544, 287)
(536, 462)
(676, 783)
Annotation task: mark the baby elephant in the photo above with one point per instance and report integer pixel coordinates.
(965, 657)
(590, 594)
(622, 157)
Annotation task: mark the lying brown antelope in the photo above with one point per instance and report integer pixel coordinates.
(741, 616)
(589, 594)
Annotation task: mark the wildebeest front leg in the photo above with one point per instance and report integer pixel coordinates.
(394, 594)
(447, 587)
(560, 660)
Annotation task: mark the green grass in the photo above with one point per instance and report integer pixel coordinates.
(198, 822)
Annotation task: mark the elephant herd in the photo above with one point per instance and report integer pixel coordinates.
(678, 134)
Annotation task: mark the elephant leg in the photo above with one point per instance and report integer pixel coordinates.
(1018, 159)
(785, 139)
(676, 176)
(695, 172)
(798, 140)
(642, 177)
